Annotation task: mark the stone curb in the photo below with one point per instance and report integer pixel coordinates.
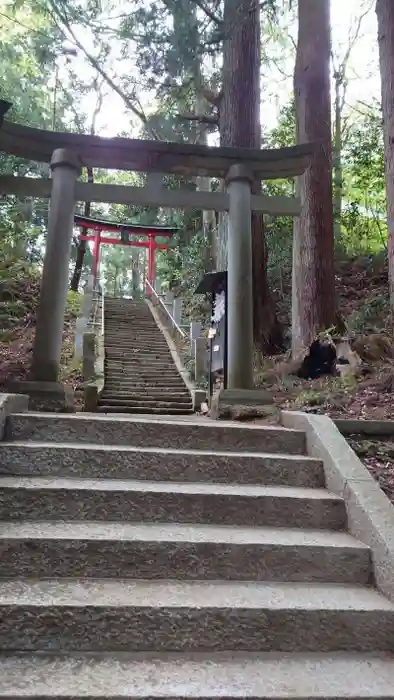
(374, 428)
(369, 511)
(11, 403)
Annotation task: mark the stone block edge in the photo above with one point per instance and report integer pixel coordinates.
(11, 403)
(370, 514)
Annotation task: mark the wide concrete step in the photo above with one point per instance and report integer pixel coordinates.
(208, 676)
(142, 410)
(90, 615)
(40, 498)
(155, 464)
(159, 551)
(140, 432)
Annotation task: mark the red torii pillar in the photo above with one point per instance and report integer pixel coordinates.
(95, 254)
(151, 245)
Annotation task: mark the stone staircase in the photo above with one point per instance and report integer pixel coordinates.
(180, 558)
(140, 374)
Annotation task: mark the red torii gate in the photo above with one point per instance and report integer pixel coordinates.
(125, 229)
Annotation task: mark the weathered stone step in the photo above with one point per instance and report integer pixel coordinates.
(141, 432)
(143, 373)
(147, 403)
(138, 338)
(135, 362)
(138, 385)
(149, 394)
(135, 336)
(132, 410)
(171, 551)
(96, 461)
(207, 676)
(140, 348)
(40, 498)
(111, 322)
(80, 615)
(129, 379)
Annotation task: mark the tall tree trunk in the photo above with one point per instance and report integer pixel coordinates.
(203, 184)
(385, 15)
(76, 278)
(240, 127)
(313, 307)
(337, 159)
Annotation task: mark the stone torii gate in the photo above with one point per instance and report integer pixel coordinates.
(68, 153)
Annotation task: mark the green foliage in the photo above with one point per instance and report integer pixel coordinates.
(364, 226)
(368, 319)
(74, 304)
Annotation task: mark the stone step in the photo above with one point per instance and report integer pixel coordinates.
(140, 386)
(140, 342)
(143, 379)
(90, 615)
(114, 399)
(100, 461)
(137, 349)
(172, 551)
(147, 362)
(151, 364)
(40, 498)
(149, 395)
(132, 356)
(132, 402)
(227, 675)
(140, 432)
(134, 374)
(142, 410)
(112, 321)
(131, 377)
(137, 335)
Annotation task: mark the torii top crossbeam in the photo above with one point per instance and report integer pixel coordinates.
(127, 226)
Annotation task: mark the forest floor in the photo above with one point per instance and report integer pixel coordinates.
(19, 296)
(362, 289)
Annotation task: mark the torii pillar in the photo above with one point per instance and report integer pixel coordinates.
(43, 388)
(239, 280)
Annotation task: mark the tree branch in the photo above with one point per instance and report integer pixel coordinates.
(211, 15)
(59, 16)
(210, 119)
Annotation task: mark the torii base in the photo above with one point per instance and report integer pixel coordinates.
(49, 397)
